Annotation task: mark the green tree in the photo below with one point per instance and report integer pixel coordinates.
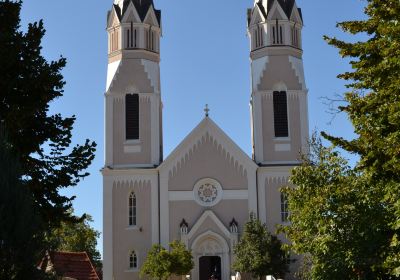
(77, 237)
(373, 106)
(336, 219)
(42, 141)
(181, 259)
(258, 252)
(160, 264)
(21, 240)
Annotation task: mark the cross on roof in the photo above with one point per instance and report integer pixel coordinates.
(207, 110)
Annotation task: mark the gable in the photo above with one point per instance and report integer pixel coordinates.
(276, 12)
(296, 16)
(256, 16)
(151, 17)
(113, 19)
(208, 159)
(207, 139)
(131, 14)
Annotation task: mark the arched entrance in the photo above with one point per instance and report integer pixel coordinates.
(209, 267)
(211, 254)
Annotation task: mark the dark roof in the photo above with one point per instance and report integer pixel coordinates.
(69, 264)
(287, 7)
(142, 7)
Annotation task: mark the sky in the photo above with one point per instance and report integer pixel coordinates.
(204, 60)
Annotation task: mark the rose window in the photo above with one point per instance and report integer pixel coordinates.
(207, 192)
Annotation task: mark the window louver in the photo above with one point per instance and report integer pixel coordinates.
(280, 114)
(132, 116)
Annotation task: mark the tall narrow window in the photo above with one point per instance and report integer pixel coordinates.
(132, 209)
(128, 38)
(273, 35)
(133, 261)
(284, 208)
(135, 40)
(281, 35)
(132, 116)
(280, 114)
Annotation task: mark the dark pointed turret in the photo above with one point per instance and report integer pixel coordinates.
(142, 7)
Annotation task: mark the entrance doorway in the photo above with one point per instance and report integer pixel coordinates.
(210, 268)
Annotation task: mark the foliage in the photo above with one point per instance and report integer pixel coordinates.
(161, 264)
(181, 259)
(373, 107)
(258, 252)
(21, 241)
(77, 237)
(337, 218)
(42, 141)
(347, 219)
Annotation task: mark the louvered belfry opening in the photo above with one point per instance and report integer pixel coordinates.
(132, 116)
(280, 114)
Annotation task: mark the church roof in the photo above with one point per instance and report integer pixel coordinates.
(75, 265)
(142, 7)
(208, 127)
(286, 5)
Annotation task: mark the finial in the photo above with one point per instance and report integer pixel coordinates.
(207, 110)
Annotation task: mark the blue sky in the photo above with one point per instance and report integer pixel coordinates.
(205, 59)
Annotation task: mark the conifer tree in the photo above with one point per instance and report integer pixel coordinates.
(41, 140)
(22, 242)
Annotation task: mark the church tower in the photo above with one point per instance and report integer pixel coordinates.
(133, 94)
(279, 93)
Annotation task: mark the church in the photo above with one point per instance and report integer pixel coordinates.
(202, 192)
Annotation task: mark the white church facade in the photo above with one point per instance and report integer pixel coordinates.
(203, 192)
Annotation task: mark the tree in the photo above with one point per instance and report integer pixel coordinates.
(77, 237)
(42, 141)
(258, 252)
(347, 219)
(372, 105)
(21, 240)
(161, 264)
(336, 219)
(181, 259)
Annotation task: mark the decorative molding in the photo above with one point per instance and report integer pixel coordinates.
(226, 195)
(297, 65)
(208, 214)
(282, 147)
(132, 149)
(152, 69)
(258, 67)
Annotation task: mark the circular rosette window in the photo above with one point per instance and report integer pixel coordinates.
(207, 192)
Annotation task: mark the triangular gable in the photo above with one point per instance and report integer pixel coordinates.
(151, 17)
(113, 18)
(208, 214)
(296, 16)
(208, 128)
(276, 12)
(257, 16)
(131, 14)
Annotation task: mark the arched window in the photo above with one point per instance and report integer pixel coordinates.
(133, 260)
(132, 209)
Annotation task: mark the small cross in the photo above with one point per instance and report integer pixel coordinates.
(207, 110)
